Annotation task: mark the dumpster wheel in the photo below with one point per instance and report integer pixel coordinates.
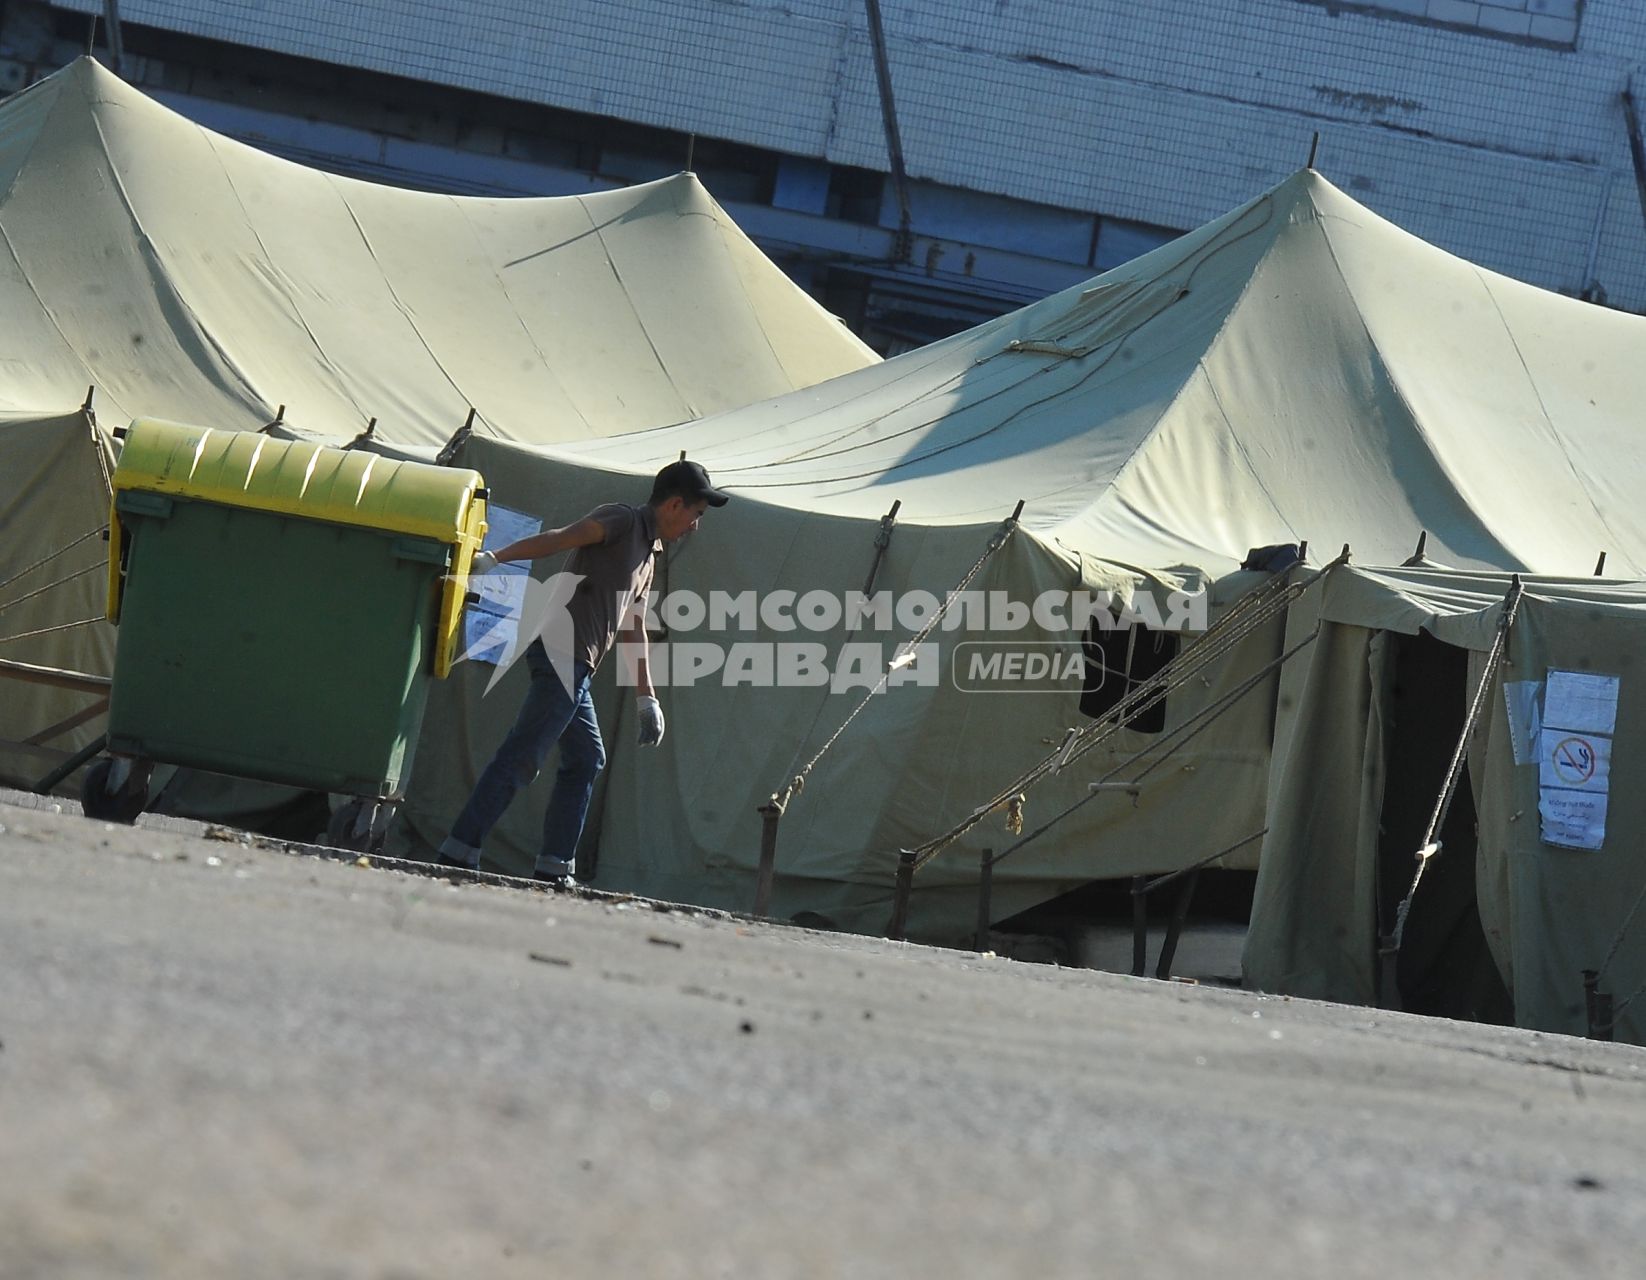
(98, 800)
(361, 825)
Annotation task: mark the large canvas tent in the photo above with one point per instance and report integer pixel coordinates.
(186, 276)
(1299, 369)
(1507, 915)
(193, 278)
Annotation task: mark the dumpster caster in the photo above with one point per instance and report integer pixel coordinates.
(360, 825)
(115, 790)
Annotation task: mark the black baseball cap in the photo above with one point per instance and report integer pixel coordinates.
(689, 481)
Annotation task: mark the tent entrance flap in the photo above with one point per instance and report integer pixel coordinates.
(1444, 967)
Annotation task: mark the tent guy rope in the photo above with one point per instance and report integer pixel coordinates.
(771, 813)
(1454, 771)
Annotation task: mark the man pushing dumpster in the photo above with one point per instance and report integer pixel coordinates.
(614, 549)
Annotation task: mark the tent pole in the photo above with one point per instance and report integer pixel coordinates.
(900, 899)
(1140, 926)
(882, 541)
(1174, 929)
(459, 438)
(985, 878)
(771, 813)
(1599, 1006)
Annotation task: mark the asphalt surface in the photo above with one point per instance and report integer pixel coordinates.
(218, 1059)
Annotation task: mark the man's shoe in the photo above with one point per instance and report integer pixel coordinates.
(555, 879)
(455, 855)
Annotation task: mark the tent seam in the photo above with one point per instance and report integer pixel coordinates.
(394, 295)
(634, 310)
(68, 344)
(1543, 409)
(337, 379)
(531, 337)
(155, 265)
(1400, 393)
(28, 154)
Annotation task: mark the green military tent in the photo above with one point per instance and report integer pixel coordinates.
(1299, 369)
(1537, 876)
(187, 276)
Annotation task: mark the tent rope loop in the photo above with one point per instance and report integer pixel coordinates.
(1443, 802)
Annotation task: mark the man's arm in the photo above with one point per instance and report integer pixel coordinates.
(634, 649)
(584, 533)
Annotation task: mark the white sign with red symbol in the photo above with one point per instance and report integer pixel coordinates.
(1574, 757)
(1574, 761)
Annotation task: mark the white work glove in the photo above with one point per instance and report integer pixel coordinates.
(483, 562)
(651, 719)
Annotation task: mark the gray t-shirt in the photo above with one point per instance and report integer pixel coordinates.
(616, 573)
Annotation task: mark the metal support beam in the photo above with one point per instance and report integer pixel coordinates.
(30, 673)
(71, 723)
(1637, 144)
(117, 43)
(894, 139)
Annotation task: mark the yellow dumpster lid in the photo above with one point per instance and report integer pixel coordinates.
(298, 478)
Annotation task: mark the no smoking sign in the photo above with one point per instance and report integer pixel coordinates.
(1574, 761)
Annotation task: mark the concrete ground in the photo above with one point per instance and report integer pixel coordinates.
(219, 1059)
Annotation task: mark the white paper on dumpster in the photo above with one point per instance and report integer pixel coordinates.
(489, 626)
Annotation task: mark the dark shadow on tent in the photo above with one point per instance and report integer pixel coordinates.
(1444, 968)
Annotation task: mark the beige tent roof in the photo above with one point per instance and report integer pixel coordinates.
(191, 277)
(1298, 369)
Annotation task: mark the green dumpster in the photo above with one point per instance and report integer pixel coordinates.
(282, 607)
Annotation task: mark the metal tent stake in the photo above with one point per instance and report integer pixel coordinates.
(985, 879)
(1598, 1004)
(771, 813)
(900, 899)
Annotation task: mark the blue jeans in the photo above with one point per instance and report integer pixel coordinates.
(550, 714)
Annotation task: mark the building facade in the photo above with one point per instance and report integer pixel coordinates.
(1044, 140)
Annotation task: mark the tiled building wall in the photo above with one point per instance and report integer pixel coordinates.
(1504, 145)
